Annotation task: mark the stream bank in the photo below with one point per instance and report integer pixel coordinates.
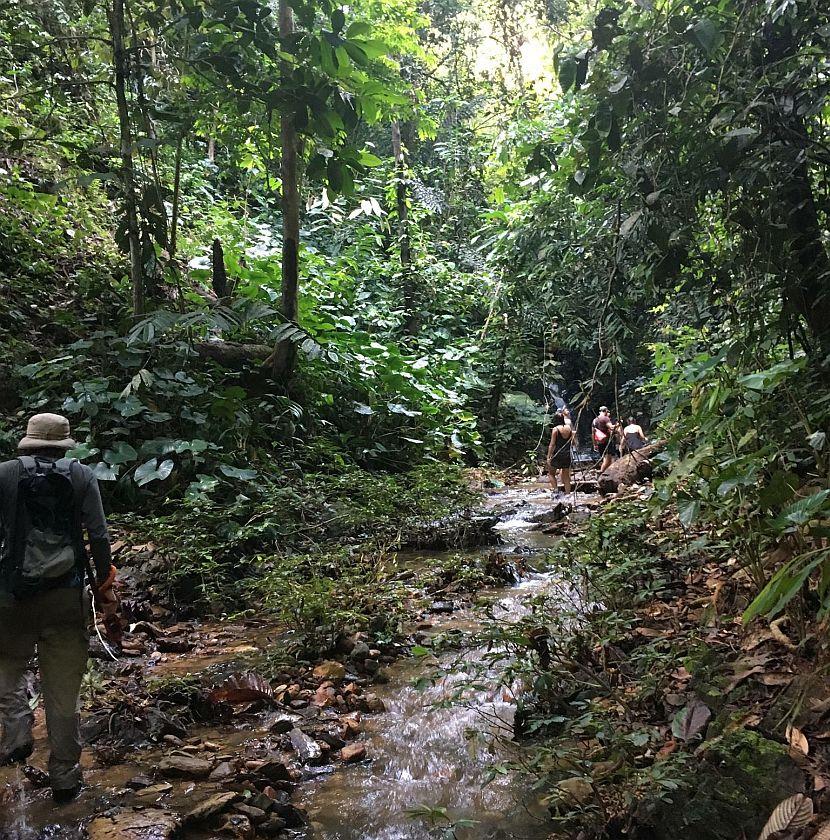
(226, 759)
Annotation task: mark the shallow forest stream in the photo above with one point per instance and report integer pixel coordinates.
(446, 721)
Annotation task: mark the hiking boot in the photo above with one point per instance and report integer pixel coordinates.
(63, 796)
(17, 755)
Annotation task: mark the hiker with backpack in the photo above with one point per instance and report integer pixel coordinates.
(46, 502)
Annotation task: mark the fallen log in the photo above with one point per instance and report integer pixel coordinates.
(630, 469)
(231, 355)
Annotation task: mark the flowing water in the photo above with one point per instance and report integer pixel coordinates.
(425, 751)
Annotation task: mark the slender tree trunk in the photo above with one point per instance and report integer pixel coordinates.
(285, 354)
(116, 22)
(498, 386)
(177, 188)
(808, 285)
(410, 325)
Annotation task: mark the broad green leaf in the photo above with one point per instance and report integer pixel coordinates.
(237, 472)
(105, 472)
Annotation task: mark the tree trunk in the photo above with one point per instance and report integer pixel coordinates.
(630, 469)
(219, 275)
(116, 23)
(410, 325)
(285, 354)
(808, 284)
(498, 387)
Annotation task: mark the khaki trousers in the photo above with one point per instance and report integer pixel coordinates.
(54, 623)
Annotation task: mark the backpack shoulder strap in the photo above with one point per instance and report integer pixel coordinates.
(28, 464)
(72, 469)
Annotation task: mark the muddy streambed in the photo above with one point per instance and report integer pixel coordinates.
(422, 751)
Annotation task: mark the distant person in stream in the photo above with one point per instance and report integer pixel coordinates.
(633, 436)
(46, 502)
(559, 452)
(603, 432)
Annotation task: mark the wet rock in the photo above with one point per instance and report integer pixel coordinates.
(139, 782)
(324, 696)
(174, 644)
(134, 824)
(353, 752)
(442, 607)
(284, 724)
(372, 703)
(238, 826)
(334, 741)
(276, 771)
(255, 815)
(306, 748)
(330, 670)
(293, 816)
(547, 517)
(351, 727)
(371, 666)
(154, 791)
(359, 652)
(185, 767)
(273, 826)
(222, 771)
(575, 791)
(211, 806)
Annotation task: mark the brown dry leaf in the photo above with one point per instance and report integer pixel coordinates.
(649, 632)
(789, 815)
(242, 688)
(823, 832)
(740, 675)
(797, 740)
(775, 678)
(819, 783)
(755, 639)
(666, 750)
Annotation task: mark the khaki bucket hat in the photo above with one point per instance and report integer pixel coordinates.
(46, 431)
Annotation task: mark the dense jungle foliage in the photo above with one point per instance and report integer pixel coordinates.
(289, 264)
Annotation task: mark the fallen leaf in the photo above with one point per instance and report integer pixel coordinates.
(823, 833)
(797, 740)
(242, 688)
(774, 678)
(666, 750)
(789, 815)
(649, 632)
(691, 720)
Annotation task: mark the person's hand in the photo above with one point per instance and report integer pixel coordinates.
(109, 605)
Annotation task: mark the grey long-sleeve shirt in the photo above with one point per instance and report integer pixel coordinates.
(92, 511)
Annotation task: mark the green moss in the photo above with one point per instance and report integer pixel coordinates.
(741, 777)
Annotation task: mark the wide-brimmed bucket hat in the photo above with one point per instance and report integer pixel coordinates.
(47, 431)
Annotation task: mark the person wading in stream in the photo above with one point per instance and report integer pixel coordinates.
(46, 501)
(604, 436)
(633, 436)
(559, 452)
